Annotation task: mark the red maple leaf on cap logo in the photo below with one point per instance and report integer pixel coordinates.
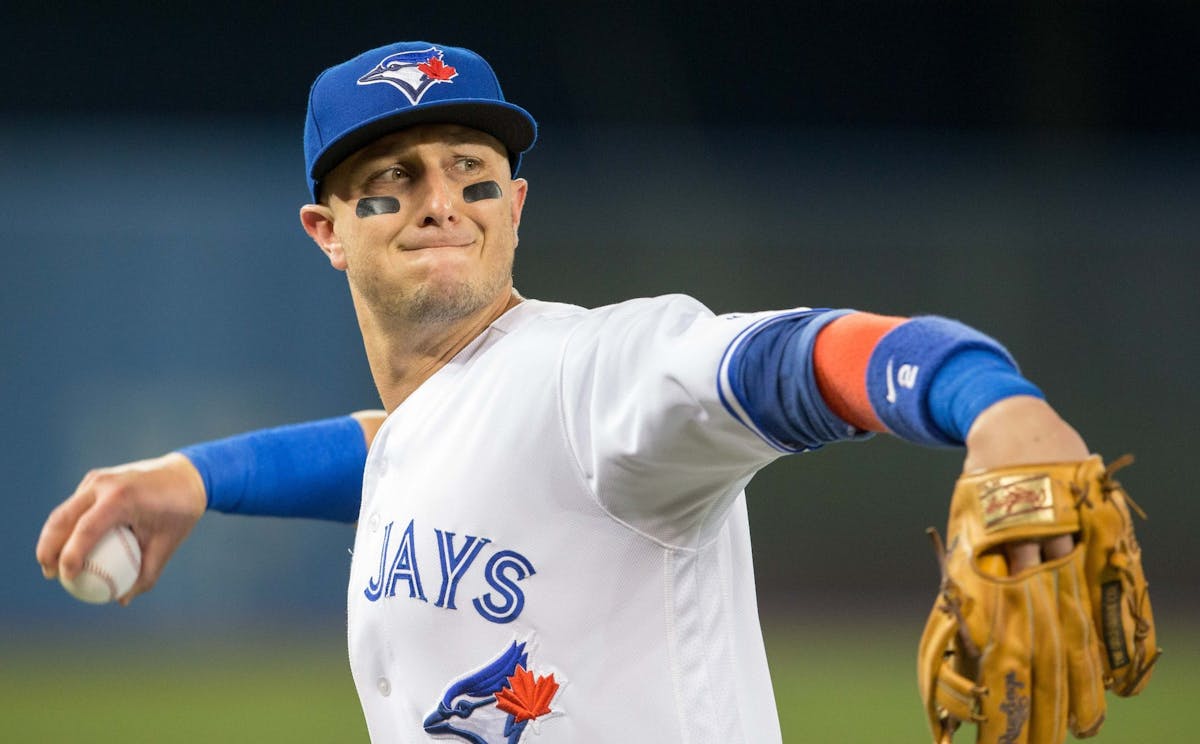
(526, 698)
(436, 69)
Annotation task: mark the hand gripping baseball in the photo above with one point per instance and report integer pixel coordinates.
(1028, 656)
(160, 499)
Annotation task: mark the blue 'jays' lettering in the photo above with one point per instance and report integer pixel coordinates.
(404, 568)
(502, 573)
(512, 598)
(454, 565)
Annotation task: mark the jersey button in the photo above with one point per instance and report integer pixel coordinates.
(373, 522)
(385, 687)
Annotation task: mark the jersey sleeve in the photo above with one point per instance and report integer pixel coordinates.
(651, 416)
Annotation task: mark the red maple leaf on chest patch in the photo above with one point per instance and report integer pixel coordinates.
(436, 69)
(525, 697)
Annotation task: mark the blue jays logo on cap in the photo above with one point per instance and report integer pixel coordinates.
(412, 73)
(406, 84)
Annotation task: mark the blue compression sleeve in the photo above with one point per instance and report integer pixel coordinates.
(969, 382)
(770, 372)
(929, 377)
(312, 470)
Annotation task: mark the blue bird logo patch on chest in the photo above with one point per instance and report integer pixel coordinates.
(495, 703)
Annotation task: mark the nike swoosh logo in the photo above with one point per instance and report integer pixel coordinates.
(891, 386)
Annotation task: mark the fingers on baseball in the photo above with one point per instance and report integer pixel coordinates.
(103, 505)
(60, 524)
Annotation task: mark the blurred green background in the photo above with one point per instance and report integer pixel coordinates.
(840, 680)
(1032, 169)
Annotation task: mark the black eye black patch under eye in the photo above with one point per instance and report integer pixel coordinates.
(369, 206)
(481, 190)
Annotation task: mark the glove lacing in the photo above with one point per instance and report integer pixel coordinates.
(1135, 604)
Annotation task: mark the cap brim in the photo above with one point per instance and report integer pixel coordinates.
(510, 124)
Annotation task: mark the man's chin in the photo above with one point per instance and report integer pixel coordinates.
(450, 303)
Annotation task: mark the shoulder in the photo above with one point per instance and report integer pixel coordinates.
(662, 304)
(664, 313)
(639, 312)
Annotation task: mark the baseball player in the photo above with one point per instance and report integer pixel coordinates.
(551, 539)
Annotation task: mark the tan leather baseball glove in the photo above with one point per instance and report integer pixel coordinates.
(1029, 656)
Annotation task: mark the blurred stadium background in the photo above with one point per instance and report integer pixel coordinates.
(1030, 168)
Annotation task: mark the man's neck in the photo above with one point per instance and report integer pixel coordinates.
(403, 358)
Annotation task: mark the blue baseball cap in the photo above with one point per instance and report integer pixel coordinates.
(399, 85)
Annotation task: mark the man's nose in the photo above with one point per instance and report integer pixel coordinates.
(440, 200)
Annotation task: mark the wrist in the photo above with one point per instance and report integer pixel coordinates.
(1021, 430)
(193, 491)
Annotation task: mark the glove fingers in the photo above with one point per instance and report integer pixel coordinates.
(930, 658)
(1085, 675)
(1026, 675)
(949, 697)
(1006, 668)
(1050, 701)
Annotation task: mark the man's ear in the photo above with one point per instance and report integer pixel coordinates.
(317, 220)
(520, 188)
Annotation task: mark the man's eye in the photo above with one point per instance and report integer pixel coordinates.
(470, 164)
(390, 175)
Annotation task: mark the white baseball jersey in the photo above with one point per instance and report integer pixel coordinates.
(553, 541)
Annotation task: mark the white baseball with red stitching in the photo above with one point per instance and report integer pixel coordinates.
(109, 570)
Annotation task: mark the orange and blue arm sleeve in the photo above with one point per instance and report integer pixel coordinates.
(924, 379)
(841, 352)
(812, 377)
